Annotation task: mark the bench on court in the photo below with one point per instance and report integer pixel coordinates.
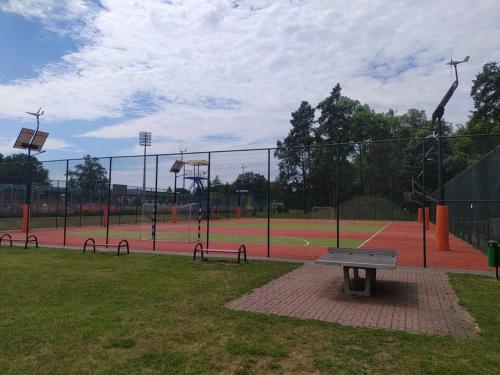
(94, 244)
(199, 248)
(25, 239)
(367, 259)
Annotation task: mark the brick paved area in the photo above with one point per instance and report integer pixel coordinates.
(415, 301)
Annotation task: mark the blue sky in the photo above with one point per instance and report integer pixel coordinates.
(224, 74)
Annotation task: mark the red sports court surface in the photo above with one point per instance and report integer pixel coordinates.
(304, 242)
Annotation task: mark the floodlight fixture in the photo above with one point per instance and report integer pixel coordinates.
(145, 139)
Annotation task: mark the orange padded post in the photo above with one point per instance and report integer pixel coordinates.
(427, 220)
(238, 213)
(174, 214)
(419, 215)
(26, 217)
(442, 231)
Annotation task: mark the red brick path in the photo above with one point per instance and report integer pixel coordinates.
(407, 300)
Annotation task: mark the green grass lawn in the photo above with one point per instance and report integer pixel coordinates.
(225, 237)
(64, 312)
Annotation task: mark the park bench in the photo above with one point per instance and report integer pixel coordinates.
(367, 259)
(199, 248)
(94, 244)
(25, 239)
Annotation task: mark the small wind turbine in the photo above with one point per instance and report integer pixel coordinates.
(37, 114)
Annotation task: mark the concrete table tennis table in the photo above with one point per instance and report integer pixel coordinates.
(366, 259)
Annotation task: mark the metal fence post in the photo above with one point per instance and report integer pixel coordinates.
(66, 203)
(337, 195)
(424, 204)
(268, 202)
(57, 203)
(156, 204)
(209, 186)
(109, 200)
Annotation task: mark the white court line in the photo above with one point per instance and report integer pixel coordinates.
(306, 242)
(374, 235)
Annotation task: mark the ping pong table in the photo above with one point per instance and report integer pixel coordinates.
(366, 259)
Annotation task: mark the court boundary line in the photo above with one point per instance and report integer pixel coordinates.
(375, 234)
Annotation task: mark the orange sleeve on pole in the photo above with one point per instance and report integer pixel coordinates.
(442, 231)
(26, 214)
(238, 213)
(419, 215)
(174, 214)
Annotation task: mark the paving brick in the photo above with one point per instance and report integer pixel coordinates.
(404, 300)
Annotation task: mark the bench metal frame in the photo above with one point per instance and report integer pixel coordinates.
(91, 241)
(199, 248)
(26, 240)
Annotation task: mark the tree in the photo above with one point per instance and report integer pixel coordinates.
(335, 121)
(13, 170)
(485, 93)
(90, 178)
(294, 151)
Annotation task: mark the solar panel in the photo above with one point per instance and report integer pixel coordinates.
(177, 166)
(39, 140)
(24, 138)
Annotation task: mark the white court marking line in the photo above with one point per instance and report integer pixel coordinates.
(306, 243)
(374, 235)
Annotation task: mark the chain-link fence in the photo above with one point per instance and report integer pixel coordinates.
(280, 201)
(473, 199)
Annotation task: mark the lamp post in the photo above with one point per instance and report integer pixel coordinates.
(144, 141)
(437, 115)
(30, 139)
(442, 233)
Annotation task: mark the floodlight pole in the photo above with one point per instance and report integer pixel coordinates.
(442, 213)
(437, 115)
(145, 141)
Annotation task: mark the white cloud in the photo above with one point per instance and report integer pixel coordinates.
(264, 55)
(61, 16)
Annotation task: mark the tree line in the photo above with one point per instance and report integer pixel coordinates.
(308, 157)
